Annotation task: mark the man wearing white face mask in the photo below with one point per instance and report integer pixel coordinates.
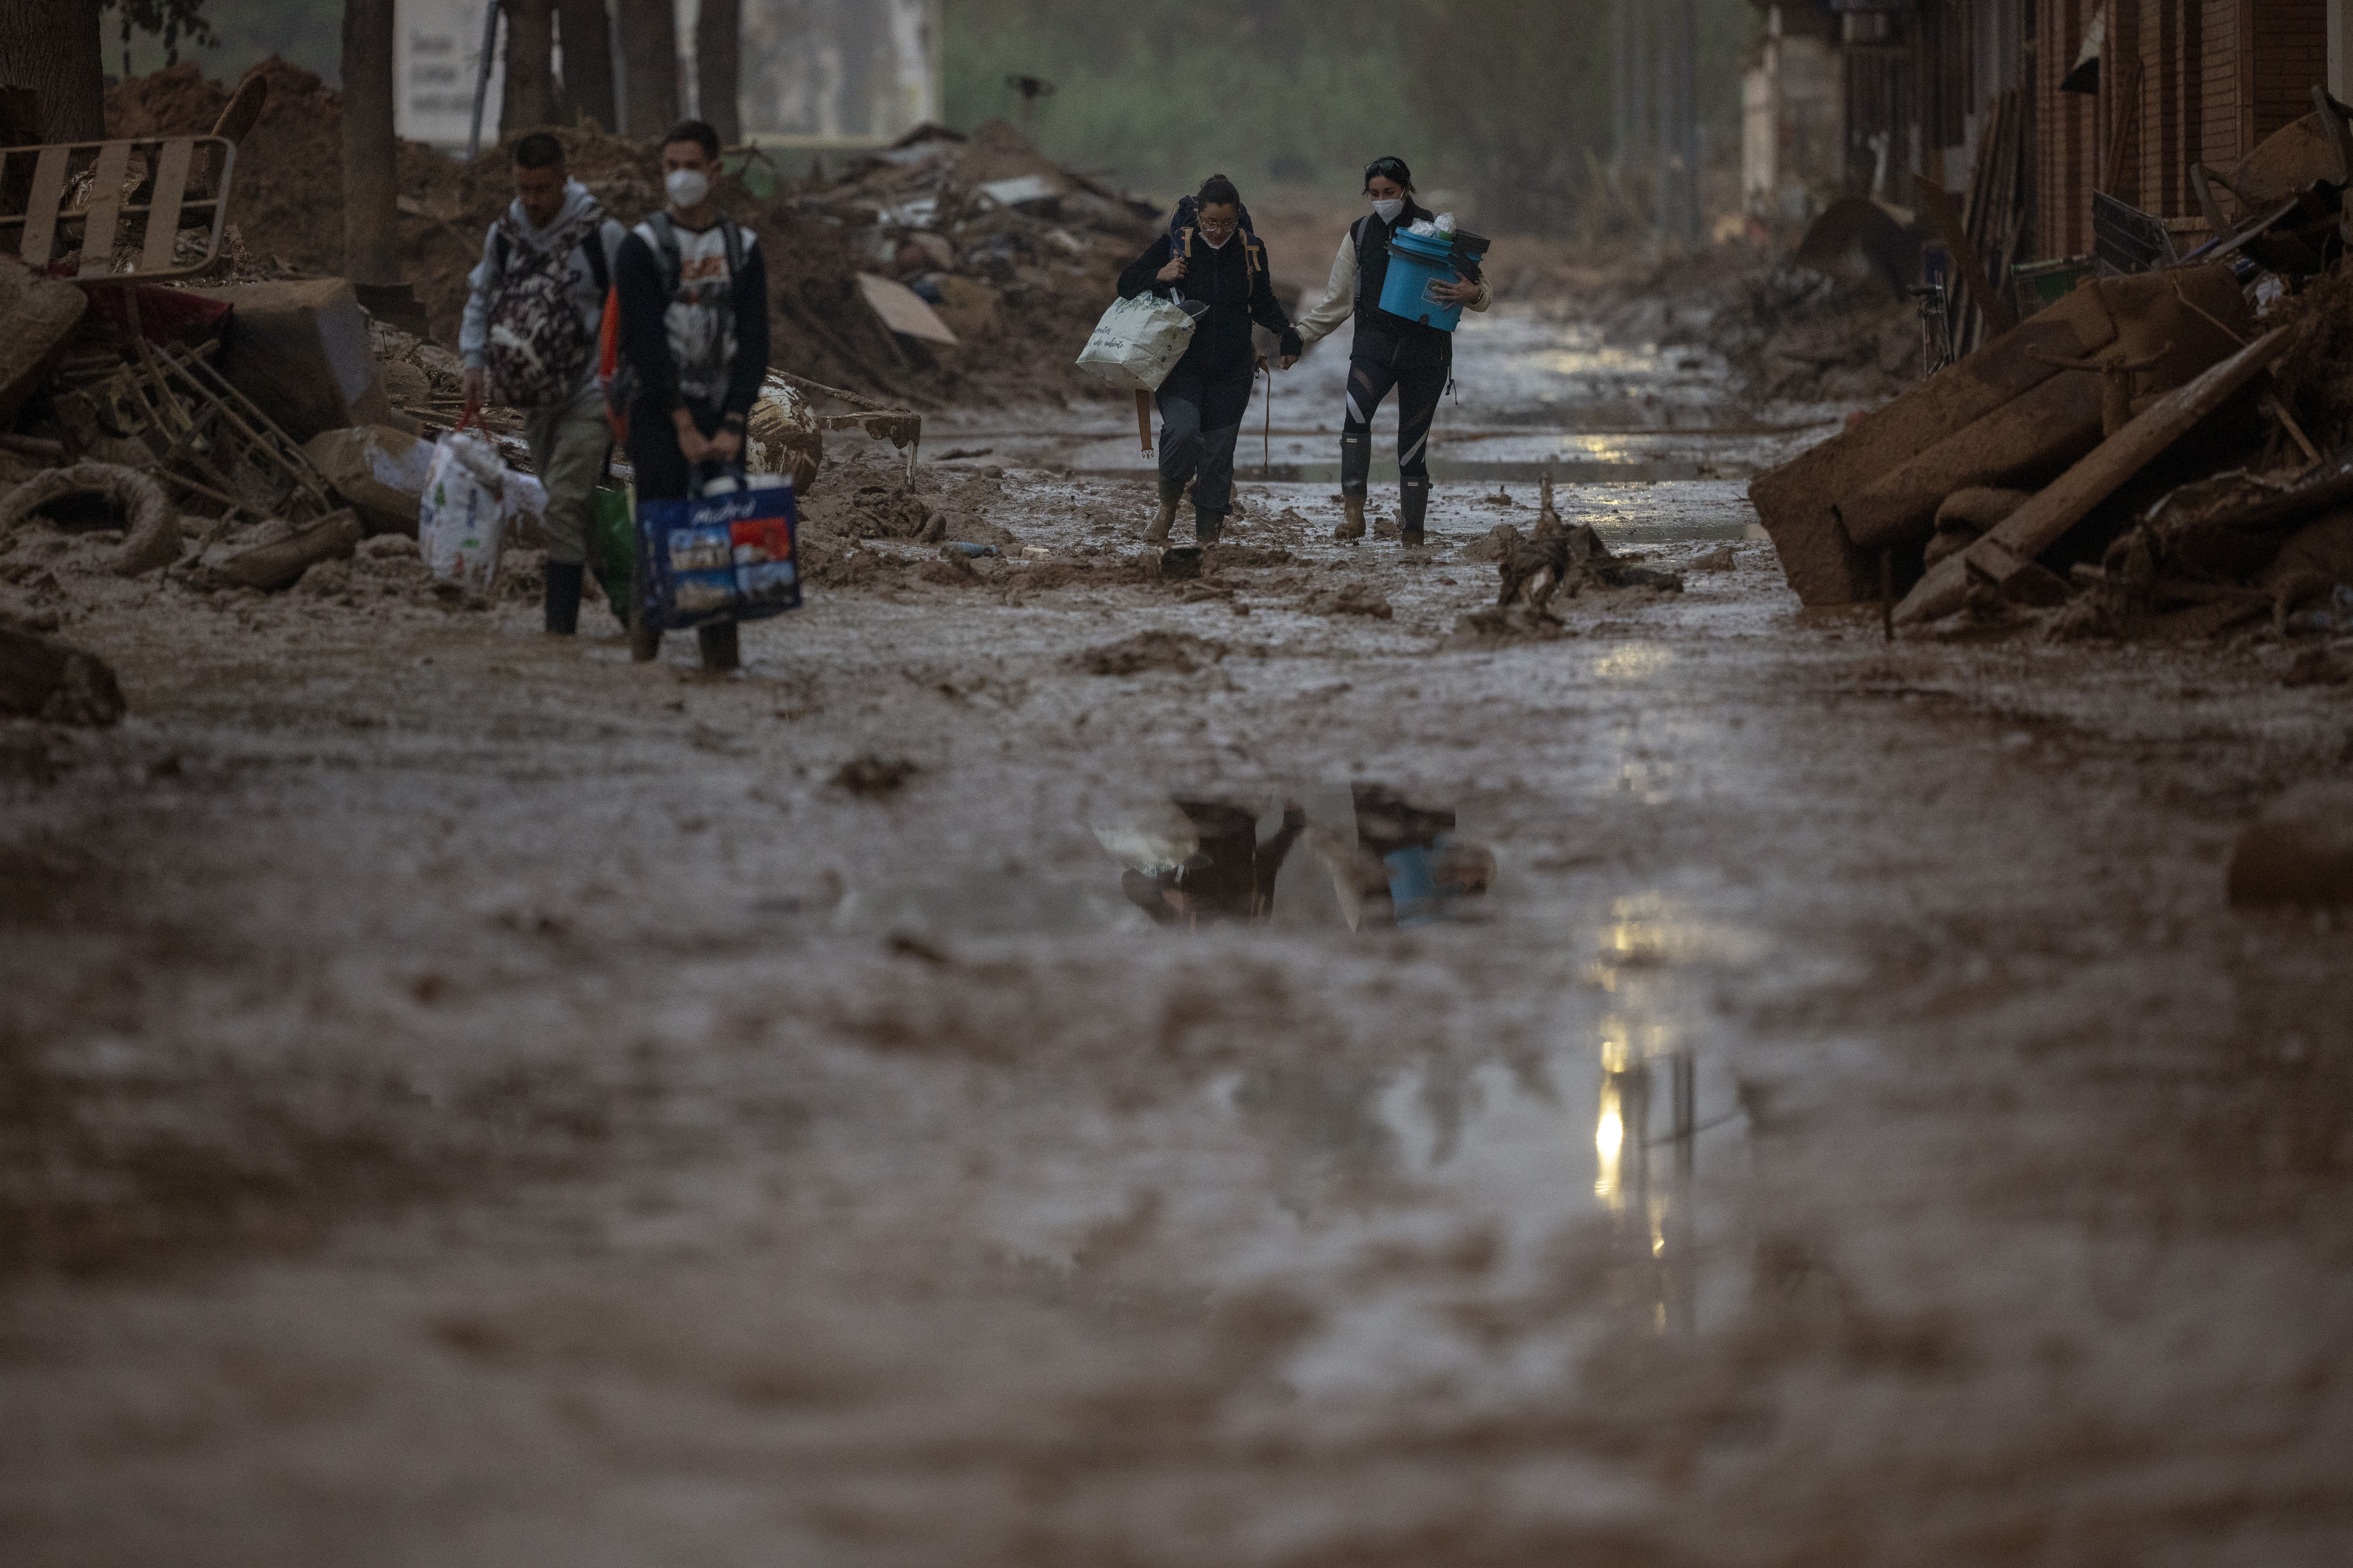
(1389, 351)
(694, 328)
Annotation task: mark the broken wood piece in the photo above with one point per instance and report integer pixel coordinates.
(2036, 526)
(1998, 316)
(2023, 443)
(2277, 411)
(2018, 579)
(41, 678)
(279, 562)
(42, 314)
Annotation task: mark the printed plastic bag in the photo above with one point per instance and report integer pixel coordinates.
(726, 556)
(461, 523)
(1137, 344)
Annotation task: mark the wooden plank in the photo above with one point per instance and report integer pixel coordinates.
(105, 204)
(2036, 526)
(903, 310)
(41, 212)
(163, 206)
(1939, 208)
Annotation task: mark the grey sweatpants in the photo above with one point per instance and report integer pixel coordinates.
(568, 442)
(1187, 451)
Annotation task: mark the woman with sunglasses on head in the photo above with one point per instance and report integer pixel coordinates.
(1209, 263)
(1389, 351)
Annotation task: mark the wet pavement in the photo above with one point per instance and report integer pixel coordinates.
(1531, 392)
(1714, 1088)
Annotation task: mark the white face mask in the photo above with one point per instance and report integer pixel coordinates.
(1389, 209)
(687, 187)
(1219, 243)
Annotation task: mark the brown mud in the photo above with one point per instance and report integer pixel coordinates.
(286, 210)
(468, 1099)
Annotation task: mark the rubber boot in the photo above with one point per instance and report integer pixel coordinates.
(645, 641)
(1166, 517)
(722, 649)
(563, 602)
(1207, 525)
(1355, 472)
(1413, 503)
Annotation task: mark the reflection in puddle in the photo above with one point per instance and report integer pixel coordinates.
(1643, 1172)
(1379, 860)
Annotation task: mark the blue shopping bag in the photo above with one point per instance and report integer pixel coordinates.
(726, 555)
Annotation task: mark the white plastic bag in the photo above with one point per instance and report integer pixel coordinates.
(1137, 344)
(462, 524)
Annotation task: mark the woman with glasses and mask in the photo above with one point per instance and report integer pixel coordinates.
(1216, 270)
(1389, 351)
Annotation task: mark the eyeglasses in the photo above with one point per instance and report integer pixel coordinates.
(1210, 226)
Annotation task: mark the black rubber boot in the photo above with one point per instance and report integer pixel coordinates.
(722, 651)
(1355, 474)
(564, 597)
(1207, 525)
(1413, 503)
(1166, 517)
(645, 641)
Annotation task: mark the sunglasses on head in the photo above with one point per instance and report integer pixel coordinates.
(1386, 169)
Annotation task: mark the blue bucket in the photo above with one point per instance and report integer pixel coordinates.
(1417, 263)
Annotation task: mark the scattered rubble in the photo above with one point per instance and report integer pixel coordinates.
(1016, 255)
(1351, 599)
(151, 528)
(1179, 651)
(872, 777)
(41, 678)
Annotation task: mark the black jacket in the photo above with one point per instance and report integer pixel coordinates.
(647, 294)
(1233, 280)
(1382, 337)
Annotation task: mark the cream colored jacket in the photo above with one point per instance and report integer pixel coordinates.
(1340, 295)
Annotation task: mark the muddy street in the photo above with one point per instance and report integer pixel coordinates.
(1713, 1086)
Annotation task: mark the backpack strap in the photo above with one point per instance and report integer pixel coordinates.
(732, 237)
(499, 246)
(666, 250)
(594, 244)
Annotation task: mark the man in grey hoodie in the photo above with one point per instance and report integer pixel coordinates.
(520, 345)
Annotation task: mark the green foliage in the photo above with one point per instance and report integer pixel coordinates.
(1164, 95)
(235, 35)
(1499, 100)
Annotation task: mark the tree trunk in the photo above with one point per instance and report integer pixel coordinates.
(371, 222)
(588, 60)
(528, 101)
(649, 46)
(718, 48)
(54, 49)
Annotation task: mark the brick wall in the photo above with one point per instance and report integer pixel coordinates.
(2217, 76)
(2290, 55)
(2067, 138)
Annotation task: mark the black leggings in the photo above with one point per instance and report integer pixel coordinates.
(1419, 389)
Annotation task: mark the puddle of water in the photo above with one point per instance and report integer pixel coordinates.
(1360, 856)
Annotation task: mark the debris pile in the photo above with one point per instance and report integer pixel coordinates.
(2164, 451)
(1012, 254)
(1553, 560)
